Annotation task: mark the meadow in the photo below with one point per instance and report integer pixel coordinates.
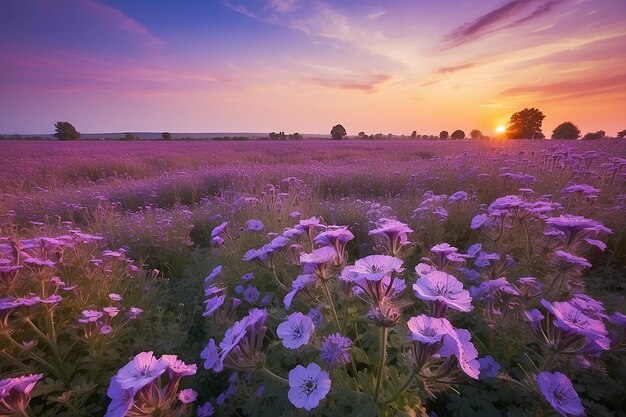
(313, 277)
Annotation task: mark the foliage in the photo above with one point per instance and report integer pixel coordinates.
(166, 136)
(566, 130)
(443, 135)
(600, 134)
(526, 124)
(476, 134)
(621, 134)
(458, 134)
(65, 131)
(338, 132)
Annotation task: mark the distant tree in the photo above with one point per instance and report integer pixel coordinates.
(476, 134)
(566, 130)
(443, 135)
(414, 134)
(129, 137)
(65, 131)
(166, 136)
(526, 124)
(425, 137)
(378, 136)
(600, 134)
(296, 136)
(458, 134)
(621, 134)
(338, 132)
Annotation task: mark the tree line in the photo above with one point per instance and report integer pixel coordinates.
(524, 124)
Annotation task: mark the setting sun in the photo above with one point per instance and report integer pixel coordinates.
(500, 129)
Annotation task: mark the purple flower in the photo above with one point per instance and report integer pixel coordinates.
(219, 229)
(251, 294)
(139, 372)
(372, 268)
(215, 272)
(336, 237)
(458, 196)
(296, 330)
(566, 260)
(206, 410)
(121, 399)
(393, 234)
(318, 256)
(489, 368)
(559, 392)
(428, 329)
(106, 329)
(255, 225)
(298, 285)
(89, 316)
(335, 350)
(479, 221)
(422, 269)
(187, 396)
(15, 392)
(308, 386)
(211, 357)
(443, 248)
(177, 367)
(458, 343)
(441, 288)
(572, 321)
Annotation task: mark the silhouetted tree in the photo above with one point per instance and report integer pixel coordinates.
(362, 135)
(129, 137)
(621, 134)
(526, 124)
(166, 136)
(595, 135)
(476, 134)
(443, 135)
(566, 130)
(414, 134)
(65, 131)
(338, 132)
(425, 137)
(458, 134)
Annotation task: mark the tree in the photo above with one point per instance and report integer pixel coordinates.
(338, 132)
(595, 135)
(129, 136)
(458, 134)
(414, 134)
(526, 124)
(621, 134)
(476, 134)
(443, 135)
(65, 131)
(362, 135)
(566, 130)
(166, 136)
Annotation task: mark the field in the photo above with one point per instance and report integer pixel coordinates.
(472, 278)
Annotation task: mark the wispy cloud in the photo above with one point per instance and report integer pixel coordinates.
(564, 90)
(498, 20)
(367, 84)
(456, 68)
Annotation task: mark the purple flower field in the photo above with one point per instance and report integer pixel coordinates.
(352, 278)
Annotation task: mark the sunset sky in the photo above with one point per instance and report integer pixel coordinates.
(298, 65)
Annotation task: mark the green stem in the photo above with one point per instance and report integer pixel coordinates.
(332, 305)
(273, 376)
(403, 388)
(381, 361)
(527, 235)
(279, 282)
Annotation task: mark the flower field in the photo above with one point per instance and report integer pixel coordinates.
(324, 278)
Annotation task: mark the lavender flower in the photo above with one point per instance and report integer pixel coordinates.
(15, 393)
(335, 350)
(296, 330)
(187, 396)
(255, 225)
(478, 221)
(251, 294)
(300, 283)
(393, 234)
(559, 392)
(139, 372)
(308, 386)
(489, 368)
(443, 289)
(205, 410)
(428, 330)
(222, 228)
(372, 268)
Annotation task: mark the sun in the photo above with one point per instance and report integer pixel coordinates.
(500, 129)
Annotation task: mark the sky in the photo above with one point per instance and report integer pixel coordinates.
(303, 66)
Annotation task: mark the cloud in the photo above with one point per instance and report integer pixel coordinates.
(567, 89)
(446, 70)
(368, 84)
(496, 20)
(282, 6)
